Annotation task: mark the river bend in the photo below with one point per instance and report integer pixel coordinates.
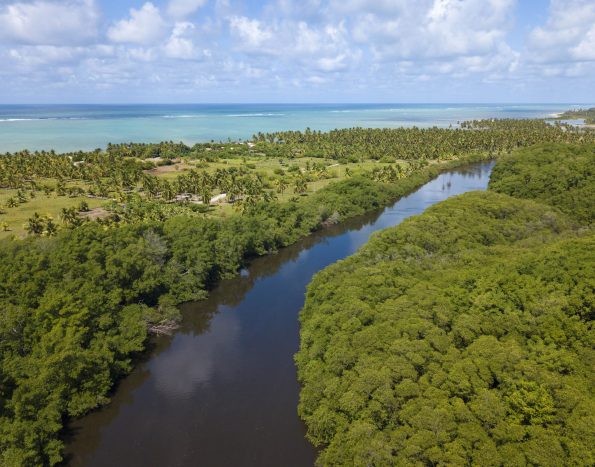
(222, 391)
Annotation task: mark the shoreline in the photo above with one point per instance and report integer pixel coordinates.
(88, 131)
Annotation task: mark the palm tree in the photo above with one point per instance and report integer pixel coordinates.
(167, 191)
(150, 185)
(51, 228)
(300, 186)
(34, 225)
(205, 184)
(280, 185)
(70, 217)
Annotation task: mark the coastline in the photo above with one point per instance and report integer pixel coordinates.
(74, 128)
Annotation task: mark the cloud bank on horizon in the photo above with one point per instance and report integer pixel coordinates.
(292, 51)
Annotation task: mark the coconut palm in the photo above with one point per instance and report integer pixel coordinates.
(280, 185)
(35, 225)
(300, 185)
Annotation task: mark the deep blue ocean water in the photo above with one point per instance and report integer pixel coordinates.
(73, 127)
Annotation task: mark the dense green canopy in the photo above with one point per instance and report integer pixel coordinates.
(75, 308)
(463, 336)
(560, 175)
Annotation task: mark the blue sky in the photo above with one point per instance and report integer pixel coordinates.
(91, 51)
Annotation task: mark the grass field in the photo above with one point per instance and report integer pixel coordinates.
(13, 219)
(260, 164)
(50, 205)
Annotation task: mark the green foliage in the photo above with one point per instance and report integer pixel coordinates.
(462, 337)
(494, 137)
(560, 175)
(70, 321)
(77, 307)
(41, 225)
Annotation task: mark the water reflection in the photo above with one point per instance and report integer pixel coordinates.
(192, 362)
(223, 391)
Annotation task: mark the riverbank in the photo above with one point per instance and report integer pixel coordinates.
(100, 290)
(84, 299)
(222, 390)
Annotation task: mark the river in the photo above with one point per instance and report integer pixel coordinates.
(222, 391)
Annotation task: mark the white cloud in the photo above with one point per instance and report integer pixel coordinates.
(332, 63)
(433, 29)
(183, 8)
(380, 7)
(311, 11)
(464, 28)
(251, 32)
(31, 56)
(45, 22)
(180, 44)
(145, 26)
(585, 50)
(568, 34)
(327, 47)
(297, 44)
(316, 80)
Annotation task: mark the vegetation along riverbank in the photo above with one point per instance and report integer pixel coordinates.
(464, 335)
(115, 239)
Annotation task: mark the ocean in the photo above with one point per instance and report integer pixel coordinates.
(86, 127)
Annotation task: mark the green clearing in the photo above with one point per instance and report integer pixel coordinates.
(16, 217)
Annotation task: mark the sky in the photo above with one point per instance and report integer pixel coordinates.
(192, 51)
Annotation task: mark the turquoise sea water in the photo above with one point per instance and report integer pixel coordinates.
(73, 127)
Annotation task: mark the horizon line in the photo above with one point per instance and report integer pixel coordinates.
(295, 103)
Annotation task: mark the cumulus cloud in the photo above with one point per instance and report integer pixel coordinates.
(183, 8)
(145, 26)
(323, 45)
(252, 34)
(45, 22)
(320, 47)
(568, 34)
(180, 44)
(433, 29)
(585, 50)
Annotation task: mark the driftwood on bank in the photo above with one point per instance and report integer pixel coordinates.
(165, 328)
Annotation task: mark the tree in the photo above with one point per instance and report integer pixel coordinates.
(70, 217)
(50, 228)
(300, 185)
(83, 206)
(280, 185)
(35, 225)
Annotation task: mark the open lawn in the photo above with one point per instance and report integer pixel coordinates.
(318, 173)
(50, 205)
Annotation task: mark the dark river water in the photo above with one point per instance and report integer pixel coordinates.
(222, 391)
